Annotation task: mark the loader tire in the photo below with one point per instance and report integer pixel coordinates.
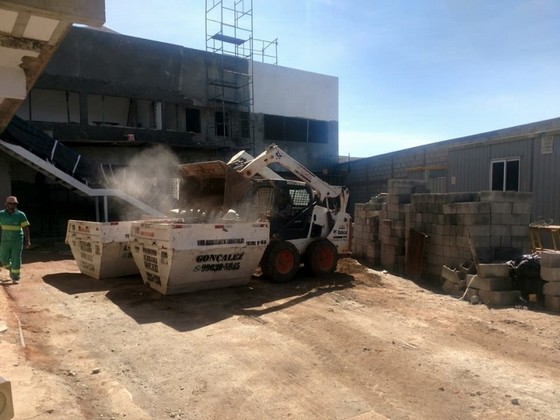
(321, 257)
(280, 261)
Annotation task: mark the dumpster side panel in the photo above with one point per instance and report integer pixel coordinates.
(101, 250)
(179, 258)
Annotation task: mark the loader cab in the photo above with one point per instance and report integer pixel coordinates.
(287, 204)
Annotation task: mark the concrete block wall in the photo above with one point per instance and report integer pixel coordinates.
(550, 273)
(395, 221)
(444, 217)
(366, 242)
(493, 219)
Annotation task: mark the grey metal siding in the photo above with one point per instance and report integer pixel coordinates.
(470, 166)
(463, 165)
(546, 181)
(468, 169)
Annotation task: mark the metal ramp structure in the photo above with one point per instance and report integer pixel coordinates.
(68, 168)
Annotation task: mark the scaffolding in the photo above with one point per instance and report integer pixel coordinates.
(229, 39)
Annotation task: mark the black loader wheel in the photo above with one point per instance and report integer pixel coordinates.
(280, 261)
(321, 257)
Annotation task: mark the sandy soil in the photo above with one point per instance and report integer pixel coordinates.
(360, 344)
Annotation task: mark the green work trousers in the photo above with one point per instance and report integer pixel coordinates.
(10, 256)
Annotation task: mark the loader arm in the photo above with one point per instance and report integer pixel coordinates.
(274, 154)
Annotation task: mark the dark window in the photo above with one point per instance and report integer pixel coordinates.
(273, 127)
(512, 175)
(221, 124)
(193, 120)
(505, 175)
(318, 131)
(296, 129)
(245, 125)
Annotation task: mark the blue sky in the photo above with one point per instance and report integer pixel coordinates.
(410, 72)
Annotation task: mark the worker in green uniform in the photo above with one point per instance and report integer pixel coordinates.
(15, 232)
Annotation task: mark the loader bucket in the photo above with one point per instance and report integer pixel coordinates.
(211, 186)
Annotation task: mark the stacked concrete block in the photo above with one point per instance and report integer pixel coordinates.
(365, 242)
(494, 285)
(437, 216)
(493, 220)
(455, 280)
(393, 225)
(550, 273)
(510, 217)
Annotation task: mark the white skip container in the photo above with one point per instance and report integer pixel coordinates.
(179, 257)
(101, 249)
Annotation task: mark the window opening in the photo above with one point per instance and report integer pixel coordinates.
(505, 175)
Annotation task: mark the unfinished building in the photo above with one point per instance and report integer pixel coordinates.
(105, 100)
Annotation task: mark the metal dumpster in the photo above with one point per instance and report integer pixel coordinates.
(180, 257)
(101, 248)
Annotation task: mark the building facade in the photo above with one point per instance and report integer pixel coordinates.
(123, 101)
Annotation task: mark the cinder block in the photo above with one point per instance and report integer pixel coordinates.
(505, 196)
(473, 219)
(499, 298)
(451, 288)
(500, 208)
(472, 208)
(491, 283)
(521, 208)
(500, 230)
(450, 274)
(550, 259)
(470, 293)
(552, 303)
(520, 230)
(492, 270)
(550, 273)
(551, 288)
(468, 267)
(511, 219)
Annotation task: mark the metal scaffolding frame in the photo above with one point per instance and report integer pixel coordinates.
(229, 38)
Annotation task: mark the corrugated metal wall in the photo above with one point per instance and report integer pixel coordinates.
(464, 165)
(539, 173)
(546, 180)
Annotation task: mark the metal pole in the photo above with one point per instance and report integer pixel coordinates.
(105, 209)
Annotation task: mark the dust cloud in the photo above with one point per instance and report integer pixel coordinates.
(151, 176)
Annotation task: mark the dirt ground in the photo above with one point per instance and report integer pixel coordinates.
(360, 344)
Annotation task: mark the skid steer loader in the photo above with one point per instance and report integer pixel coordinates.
(307, 217)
